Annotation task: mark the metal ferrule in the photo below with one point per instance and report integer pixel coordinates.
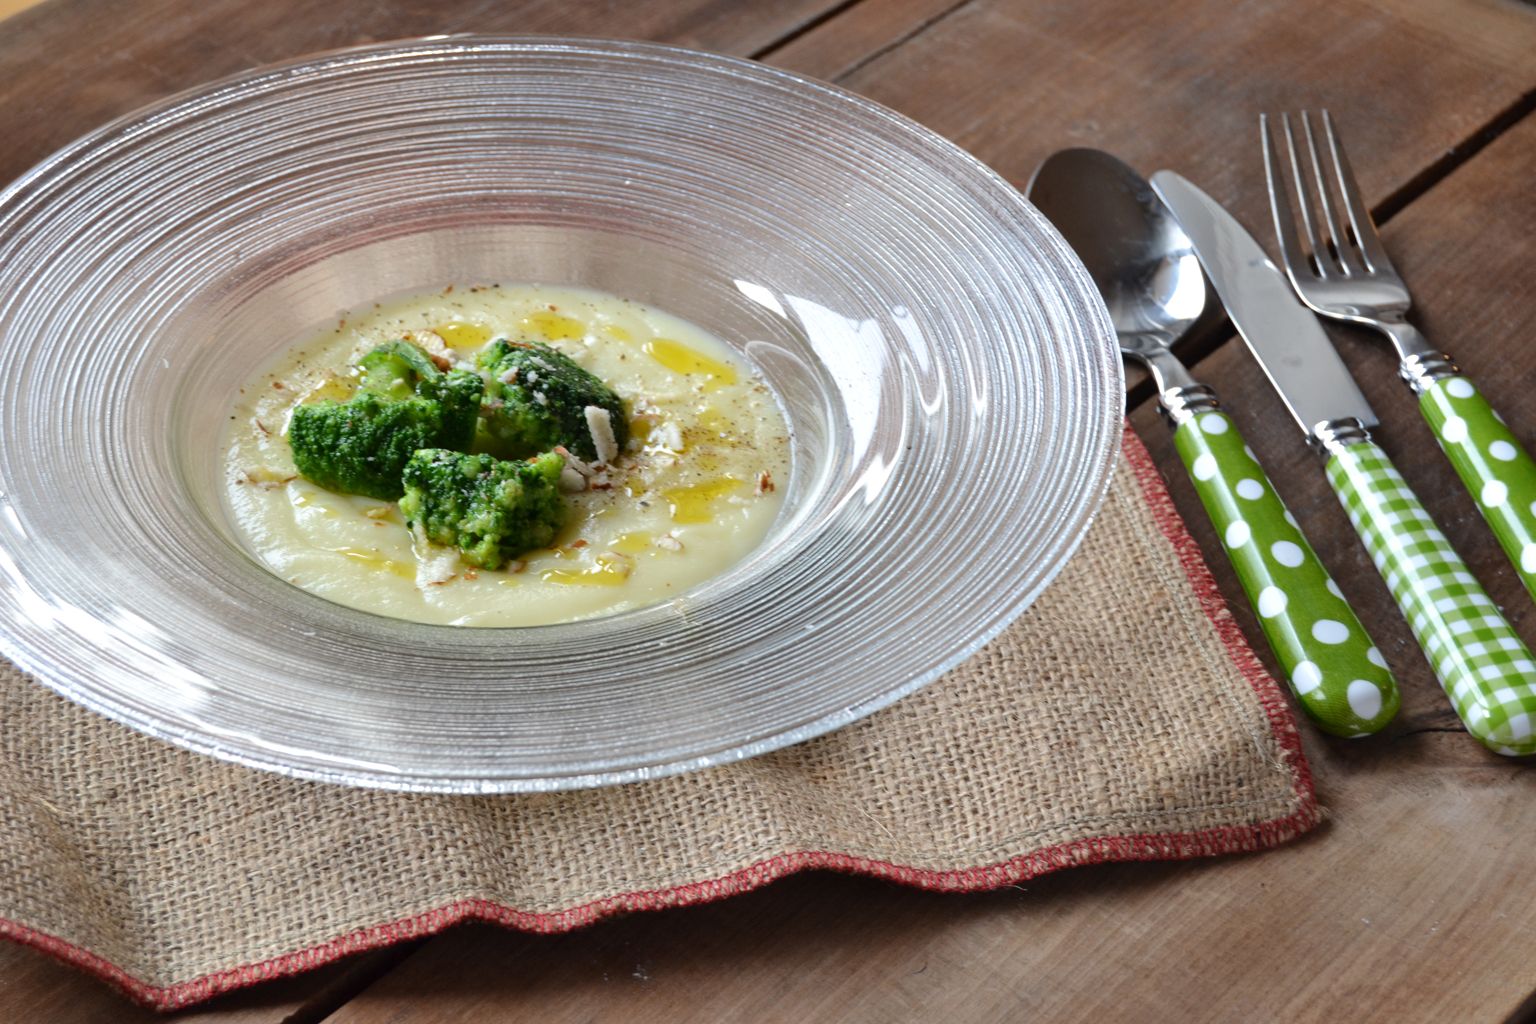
(1332, 436)
(1419, 363)
(1181, 404)
(1422, 370)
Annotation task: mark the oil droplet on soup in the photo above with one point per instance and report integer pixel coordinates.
(676, 508)
(463, 336)
(680, 358)
(696, 502)
(548, 326)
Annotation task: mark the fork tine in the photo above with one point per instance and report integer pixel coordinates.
(1320, 254)
(1291, 251)
(1364, 228)
(1336, 235)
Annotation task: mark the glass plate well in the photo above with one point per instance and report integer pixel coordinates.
(950, 376)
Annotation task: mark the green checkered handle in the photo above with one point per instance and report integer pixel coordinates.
(1496, 469)
(1340, 679)
(1483, 665)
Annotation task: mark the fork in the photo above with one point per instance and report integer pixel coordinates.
(1342, 271)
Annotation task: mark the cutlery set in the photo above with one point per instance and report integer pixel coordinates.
(1145, 245)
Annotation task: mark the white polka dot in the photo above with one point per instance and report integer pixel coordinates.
(1286, 553)
(1329, 631)
(1238, 534)
(1272, 602)
(1307, 677)
(1333, 588)
(1292, 519)
(1528, 558)
(1453, 430)
(1204, 467)
(1502, 450)
(1249, 452)
(1459, 388)
(1215, 423)
(1250, 489)
(1533, 508)
(1375, 658)
(1364, 698)
(1494, 493)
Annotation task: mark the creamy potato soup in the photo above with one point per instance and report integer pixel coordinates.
(695, 489)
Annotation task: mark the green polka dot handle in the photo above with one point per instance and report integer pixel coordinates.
(1483, 665)
(1496, 469)
(1340, 679)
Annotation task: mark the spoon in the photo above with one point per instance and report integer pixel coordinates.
(1150, 279)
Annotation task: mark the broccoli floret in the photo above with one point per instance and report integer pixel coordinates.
(403, 402)
(536, 398)
(489, 509)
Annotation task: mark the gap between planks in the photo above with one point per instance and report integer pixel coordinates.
(353, 983)
(925, 15)
(1206, 342)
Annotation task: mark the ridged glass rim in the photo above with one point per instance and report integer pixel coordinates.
(1083, 323)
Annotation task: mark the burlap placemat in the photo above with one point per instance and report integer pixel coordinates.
(1122, 718)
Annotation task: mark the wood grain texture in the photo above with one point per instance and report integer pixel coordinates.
(1368, 918)
(34, 987)
(1012, 81)
(858, 35)
(1411, 903)
(1454, 851)
(1183, 88)
(1465, 249)
(67, 66)
(1407, 906)
(139, 52)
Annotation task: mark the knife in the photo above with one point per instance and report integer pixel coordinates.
(1484, 667)
(1137, 256)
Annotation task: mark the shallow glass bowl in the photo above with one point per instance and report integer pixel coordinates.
(950, 378)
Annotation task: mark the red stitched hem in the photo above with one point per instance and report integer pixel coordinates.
(1179, 846)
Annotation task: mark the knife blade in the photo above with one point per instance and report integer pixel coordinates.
(1483, 665)
(1283, 335)
(1138, 258)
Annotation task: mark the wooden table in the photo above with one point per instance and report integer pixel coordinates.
(1413, 903)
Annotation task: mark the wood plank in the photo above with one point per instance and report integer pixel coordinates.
(1406, 905)
(121, 56)
(1099, 938)
(158, 47)
(858, 35)
(1465, 248)
(1182, 88)
(1365, 915)
(36, 987)
(1012, 81)
(1397, 907)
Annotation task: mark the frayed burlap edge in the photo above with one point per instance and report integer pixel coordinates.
(1099, 849)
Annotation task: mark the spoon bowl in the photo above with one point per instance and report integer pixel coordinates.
(1139, 258)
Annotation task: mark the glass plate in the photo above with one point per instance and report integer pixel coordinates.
(950, 377)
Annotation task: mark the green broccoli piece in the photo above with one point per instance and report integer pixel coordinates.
(489, 509)
(403, 402)
(536, 398)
